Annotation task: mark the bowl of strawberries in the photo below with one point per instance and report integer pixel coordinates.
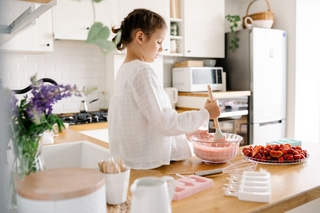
(276, 154)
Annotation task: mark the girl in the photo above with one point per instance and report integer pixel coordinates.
(144, 130)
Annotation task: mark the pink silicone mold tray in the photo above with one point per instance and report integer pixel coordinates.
(190, 185)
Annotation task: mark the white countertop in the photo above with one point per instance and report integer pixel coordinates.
(100, 134)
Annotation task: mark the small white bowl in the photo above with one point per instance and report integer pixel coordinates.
(209, 63)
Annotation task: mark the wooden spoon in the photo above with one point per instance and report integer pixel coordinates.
(218, 134)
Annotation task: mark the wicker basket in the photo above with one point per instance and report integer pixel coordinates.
(259, 16)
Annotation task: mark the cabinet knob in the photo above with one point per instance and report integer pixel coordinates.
(165, 49)
(88, 28)
(189, 51)
(48, 45)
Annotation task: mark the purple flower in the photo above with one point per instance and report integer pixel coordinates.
(44, 96)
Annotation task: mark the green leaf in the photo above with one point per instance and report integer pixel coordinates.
(97, 31)
(118, 38)
(104, 33)
(105, 46)
(97, 1)
(236, 45)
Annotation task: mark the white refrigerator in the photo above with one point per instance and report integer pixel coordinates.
(260, 65)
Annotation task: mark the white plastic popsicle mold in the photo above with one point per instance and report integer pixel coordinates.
(250, 186)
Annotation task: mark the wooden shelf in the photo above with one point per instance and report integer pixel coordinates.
(195, 100)
(176, 20)
(176, 37)
(172, 54)
(223, 114)
(217, 94)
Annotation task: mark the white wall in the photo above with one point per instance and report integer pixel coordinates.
(71, 62)
(285, 19)
(307, 102)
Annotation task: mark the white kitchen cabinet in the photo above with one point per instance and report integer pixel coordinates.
(73, 19)
(161, 7)
(203, 28)
(37, 38)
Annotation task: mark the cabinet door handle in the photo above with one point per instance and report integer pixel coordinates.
(189, 51)
(88, 28)
(48, 45)
(165, 49)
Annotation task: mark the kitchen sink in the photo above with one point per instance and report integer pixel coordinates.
(100, 134)
(76, 154)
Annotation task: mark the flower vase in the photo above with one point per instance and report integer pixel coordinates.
(25, 163)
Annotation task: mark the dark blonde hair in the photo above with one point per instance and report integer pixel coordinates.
(139, 19)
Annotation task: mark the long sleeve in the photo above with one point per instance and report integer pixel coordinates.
(153, 103)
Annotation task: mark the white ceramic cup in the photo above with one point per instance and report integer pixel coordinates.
(117, 185)
(173, 95)
(258, 23)
(174, 46)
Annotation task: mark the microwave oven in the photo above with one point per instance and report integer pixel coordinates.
(196, 79)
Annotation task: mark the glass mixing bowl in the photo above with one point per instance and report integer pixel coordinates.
(215, 152)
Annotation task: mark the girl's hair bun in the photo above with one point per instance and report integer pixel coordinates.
(139, 19)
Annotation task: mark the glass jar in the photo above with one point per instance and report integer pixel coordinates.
(27, 160)
(103, 105)
(174, 29)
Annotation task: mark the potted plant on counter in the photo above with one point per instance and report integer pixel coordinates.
(235, 24)
(30, 118)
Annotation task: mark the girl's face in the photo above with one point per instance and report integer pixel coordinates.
(153, 46)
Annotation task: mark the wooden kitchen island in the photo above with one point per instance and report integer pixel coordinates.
(291, 185)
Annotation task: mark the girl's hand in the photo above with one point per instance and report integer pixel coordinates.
(213, 108)
(197, 132)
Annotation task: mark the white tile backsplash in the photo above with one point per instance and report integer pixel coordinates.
(77, 66)
(14, 84)
(68, 75)
(16, 58)
(56, 75)
(72, 62)
(68, 58)
(35, 58)
(5, 75)
(18, 75)
(45, 66)
(9, 66)
(28, 65)
(51, 57)
(61, 66)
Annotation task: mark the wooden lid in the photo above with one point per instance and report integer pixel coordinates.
(58, 184)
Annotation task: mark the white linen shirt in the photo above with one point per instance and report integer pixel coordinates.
(143, 128)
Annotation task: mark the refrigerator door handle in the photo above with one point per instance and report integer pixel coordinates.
(270, 122)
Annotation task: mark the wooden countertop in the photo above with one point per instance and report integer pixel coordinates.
(91, 126)
(73, 136)
(291, 185)
(216, 94)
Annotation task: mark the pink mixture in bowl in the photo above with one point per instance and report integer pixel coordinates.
(216, 152)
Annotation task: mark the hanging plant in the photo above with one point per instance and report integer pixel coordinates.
(98, 34)
(235, 22)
